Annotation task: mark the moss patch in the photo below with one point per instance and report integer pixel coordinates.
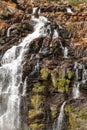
(38, 88)
(44, 73)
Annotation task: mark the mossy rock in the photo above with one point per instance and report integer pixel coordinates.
(63, 85)
(37, 101)
(83, 115)
(68, 108)
(77, 117)
(68, 111)
(39, 88)
(70, 74)
(37, 126)
(35, 114)
(54, 113)
(44, 73)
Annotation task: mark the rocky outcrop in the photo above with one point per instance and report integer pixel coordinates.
(77, 114)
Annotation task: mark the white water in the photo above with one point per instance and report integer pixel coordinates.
(76, 88)
(11, 79)
(37, 66)
(65, 51)
(60, 119)
(55, 35)
(35, 9)
(69, 10)
(9, 30)
(76, 91)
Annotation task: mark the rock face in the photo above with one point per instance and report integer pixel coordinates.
(55, 65)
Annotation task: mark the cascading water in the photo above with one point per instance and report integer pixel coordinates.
(79, 67)
(11, 79)
(76, 91)
(9, 29)
(69, 10)
(84, 75)
(65, 51)
(60, 120)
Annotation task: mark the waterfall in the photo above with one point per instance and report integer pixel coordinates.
(60, 120)
(37, 66)
(69, 10)
(61, 117)
(65, 50)
(84, 75)
(9, 29)
(77, 67)
(76, 91)
(55, 34)
(36, 9)
(11, 78)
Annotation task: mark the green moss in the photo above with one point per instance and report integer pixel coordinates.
(32, 113)
(36, 126)
(38, 88)
(63, 84)
(37, 101)
(83, 116)
(56, 83)
(68, 109)
(70, 74)
(54, 113)
(66, 88)
(76, 117)
(72, 122)
(44, 73)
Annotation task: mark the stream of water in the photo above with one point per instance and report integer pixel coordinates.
(60, 119)
(11, 78)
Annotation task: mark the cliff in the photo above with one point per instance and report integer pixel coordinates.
(54, 66)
